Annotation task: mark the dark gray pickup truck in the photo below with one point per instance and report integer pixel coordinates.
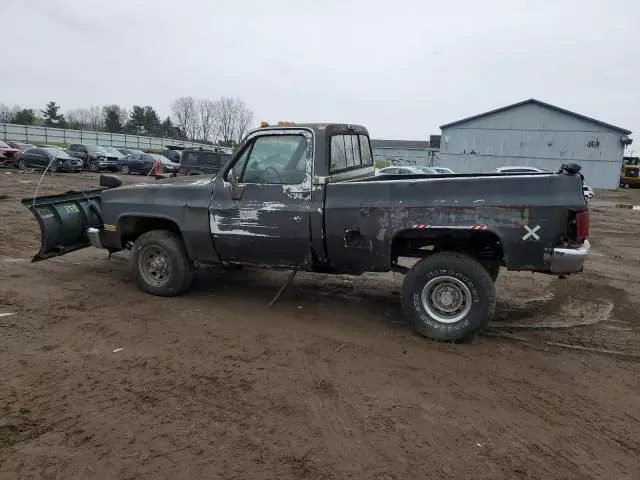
(305, 197)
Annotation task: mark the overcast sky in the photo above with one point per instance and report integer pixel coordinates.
(400, 67)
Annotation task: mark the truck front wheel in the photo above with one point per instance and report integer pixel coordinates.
(160, 264)
(448, 296)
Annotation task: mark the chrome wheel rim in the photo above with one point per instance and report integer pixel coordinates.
(154, 266)
(446, 299)
(22, 164)
(93, 166)
(125, 169)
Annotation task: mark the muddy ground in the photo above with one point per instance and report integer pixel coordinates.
(99, 380)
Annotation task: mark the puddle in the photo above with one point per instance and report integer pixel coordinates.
(573, 314)
(628, 205)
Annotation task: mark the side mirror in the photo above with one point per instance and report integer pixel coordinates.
(236, 188)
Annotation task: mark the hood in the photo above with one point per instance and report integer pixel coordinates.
(177, 189)
(9, 150)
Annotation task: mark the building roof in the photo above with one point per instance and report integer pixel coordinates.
(542, 104)
(406, 144)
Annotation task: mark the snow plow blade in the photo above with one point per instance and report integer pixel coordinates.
(64, 220)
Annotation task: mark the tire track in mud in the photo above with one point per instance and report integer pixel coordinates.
(339, 422)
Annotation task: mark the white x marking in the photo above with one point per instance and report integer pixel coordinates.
(531, 232)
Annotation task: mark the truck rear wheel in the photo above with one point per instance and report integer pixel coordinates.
(160, 264)
(448, 296)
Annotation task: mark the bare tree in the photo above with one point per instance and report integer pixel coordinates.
(244, 120)
(96, 119)
(232, 118)
(78, 118)
(225, 119)
(5, 113)
(124, 115)
(206, 116)
(185, 116)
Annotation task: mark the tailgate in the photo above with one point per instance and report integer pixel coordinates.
(64, 220)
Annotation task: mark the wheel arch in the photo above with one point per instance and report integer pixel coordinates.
(130, 226)
(480, 242)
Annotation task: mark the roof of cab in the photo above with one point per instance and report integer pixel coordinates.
(317, 127)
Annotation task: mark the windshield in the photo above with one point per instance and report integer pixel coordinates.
(96, 149)
(113, 151)
(57, 152)
(161, 159)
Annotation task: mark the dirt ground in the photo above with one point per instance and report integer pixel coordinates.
(101, 381)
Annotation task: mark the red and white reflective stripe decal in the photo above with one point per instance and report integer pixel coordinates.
(465, 227)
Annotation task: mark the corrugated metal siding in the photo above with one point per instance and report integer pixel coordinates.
(535, 136)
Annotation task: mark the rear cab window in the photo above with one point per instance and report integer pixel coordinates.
(350, 151)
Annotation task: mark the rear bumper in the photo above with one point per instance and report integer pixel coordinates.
(569, 260)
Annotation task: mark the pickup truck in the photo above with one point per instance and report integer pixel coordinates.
(305, 197)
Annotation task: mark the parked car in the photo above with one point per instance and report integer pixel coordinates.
(113, 151)
(520, 169)
(443, 170)
(198, 161)
(143, 163)
(174, 155)
(298, 197)
(6, 151)
(588, 192)
(40, 157)
(128, 151)
(20, 145)
(94, 157)
(406, 170)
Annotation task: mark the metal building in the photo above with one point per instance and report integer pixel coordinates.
(403, 152)
(536, 134)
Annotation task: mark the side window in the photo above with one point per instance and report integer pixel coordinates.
(274, 159)
(189, 158)
(72, 148)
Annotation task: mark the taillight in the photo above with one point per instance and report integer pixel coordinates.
(582, 225)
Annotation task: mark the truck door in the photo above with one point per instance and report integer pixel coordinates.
(259, 212)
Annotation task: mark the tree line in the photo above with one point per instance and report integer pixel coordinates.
(224, 122)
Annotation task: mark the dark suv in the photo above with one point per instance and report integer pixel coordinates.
(198, 161)
(94, 157)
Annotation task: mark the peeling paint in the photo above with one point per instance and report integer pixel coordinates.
(248, 214)
(216, 224)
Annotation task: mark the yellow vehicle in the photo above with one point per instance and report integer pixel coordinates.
(630, 173)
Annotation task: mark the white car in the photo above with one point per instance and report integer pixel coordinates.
(519, 169)
(587, 191)
(443, 170)
(406, 170)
